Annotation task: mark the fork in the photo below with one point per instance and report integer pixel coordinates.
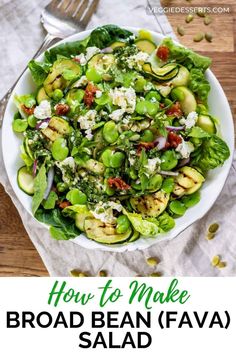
(60, 18)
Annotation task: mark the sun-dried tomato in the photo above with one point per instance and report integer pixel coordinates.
(175, 110)
(145, 145)
(173, 140)
(163, 52)
(62, 109)
(64, 204)
(118, 183)
(89, 95)
(28, 110)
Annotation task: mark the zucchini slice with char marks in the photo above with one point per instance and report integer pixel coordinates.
(101, 62)
(104, 232)
(188, 181)
(56, 128)
(145, 45)
(55, 79)
(150, 205)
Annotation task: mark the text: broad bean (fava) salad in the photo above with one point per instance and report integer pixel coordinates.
(117, 137)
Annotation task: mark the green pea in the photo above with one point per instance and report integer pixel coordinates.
(93, 75)
(75, 196)
(147, 136)
(177, 94)
(177, 207)
(139, 84)
(62, 187)
(153, 96)
(155, 183)
(59, 149)
(32, 121)
(168, 185)
(106, 157)
(123, 224)
(110, 132)
(57, 95)
(117, 159)
(191, 200)
(168, 160)
(19, 125)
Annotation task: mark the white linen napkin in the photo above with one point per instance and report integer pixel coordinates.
(190, 253)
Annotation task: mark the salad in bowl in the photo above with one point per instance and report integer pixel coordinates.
(117, 138)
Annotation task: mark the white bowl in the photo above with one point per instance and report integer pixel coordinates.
(219, 107)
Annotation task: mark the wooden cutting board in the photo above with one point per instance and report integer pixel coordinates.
(18, 257)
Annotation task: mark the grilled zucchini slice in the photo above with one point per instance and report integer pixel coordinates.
(94, 166)
(188, 181)
(150, 205)
(206, 123)
(42, 95)
(56, 128)
(55, 78)
(104, 232)
(25, 180)
(145, 45)
(101, 62)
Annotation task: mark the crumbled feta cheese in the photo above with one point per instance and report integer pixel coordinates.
(91, 51)
(88, 120)
(151, 165)
(81, 82)
(137, 60)
(190, 121)
(185, 148)
(131, 160)
(81, 58)
(43, 111)
(63, 166)
(88, 134)
(117, 114)
(124, 98)
(104, 211)
(98, 94)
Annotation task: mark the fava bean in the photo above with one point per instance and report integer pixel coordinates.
(106, 157)
(153, 96)
(168, 160)
(19, 125)
(59, 149)
(93, 75)
(139, 84)
(147, 136)
(30, 102)
(32, 121)
(167, 102)
(177, 207)
(117, 159)
(57, 95)
(168, 185)
(155, 183)
(123, 224)
(104, 99)
(110, 132)
(191, 200)
(75, 196)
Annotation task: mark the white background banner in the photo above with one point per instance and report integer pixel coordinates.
(81, 315)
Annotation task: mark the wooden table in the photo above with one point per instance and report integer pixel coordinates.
(18, 257)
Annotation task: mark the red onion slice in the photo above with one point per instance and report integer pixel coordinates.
(170, 128)
(168, 173)
(43, 124)
(35, 167)
(50, 182)
(107, 50)
(160, 142)
(184, 162)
